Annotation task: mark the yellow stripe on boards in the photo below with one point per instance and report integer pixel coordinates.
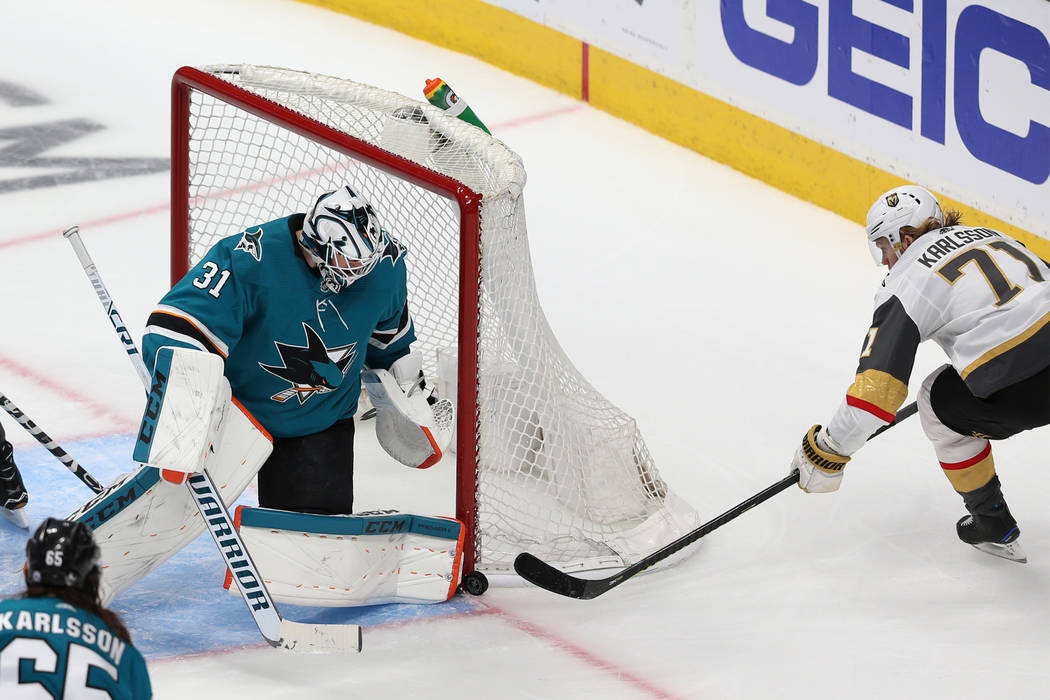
(766, 151)
(475, 28)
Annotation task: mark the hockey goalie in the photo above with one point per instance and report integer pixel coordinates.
(258, 356)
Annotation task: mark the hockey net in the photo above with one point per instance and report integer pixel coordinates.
(544, 463)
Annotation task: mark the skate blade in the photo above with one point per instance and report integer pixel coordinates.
(18, 517)
(1011, 551)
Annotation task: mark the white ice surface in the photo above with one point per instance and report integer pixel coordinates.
(724, 315)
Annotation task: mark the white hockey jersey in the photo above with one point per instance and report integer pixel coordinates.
(979, 294)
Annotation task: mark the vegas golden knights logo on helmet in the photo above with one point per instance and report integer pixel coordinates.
(892, 200)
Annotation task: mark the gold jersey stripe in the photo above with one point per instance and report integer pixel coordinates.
(879, 388)
(1008, 345)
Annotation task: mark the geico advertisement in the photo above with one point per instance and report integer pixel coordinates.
(949, 93)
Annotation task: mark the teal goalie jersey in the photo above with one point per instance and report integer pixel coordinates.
(293, 352)
(48, 648)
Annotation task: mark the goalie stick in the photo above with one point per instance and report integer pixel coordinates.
(279, 632)
(538, 572)
(52, 447)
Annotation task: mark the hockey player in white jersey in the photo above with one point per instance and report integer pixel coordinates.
(985, 299)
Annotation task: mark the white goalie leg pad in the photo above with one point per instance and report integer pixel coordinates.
(411, 427)
(187, 401)
(141, 519)
(351, 560)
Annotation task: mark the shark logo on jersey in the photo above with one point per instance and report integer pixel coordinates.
(311, 369)
(251, 243)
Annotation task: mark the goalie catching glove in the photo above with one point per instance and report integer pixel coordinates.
(819, 465)
(412, 425)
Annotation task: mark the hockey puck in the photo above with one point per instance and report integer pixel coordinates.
(475, 583)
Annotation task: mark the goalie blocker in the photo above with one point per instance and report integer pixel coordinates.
(351, 560)
(187, 401)
(190, 423)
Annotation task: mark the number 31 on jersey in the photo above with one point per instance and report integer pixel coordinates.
(208, 279)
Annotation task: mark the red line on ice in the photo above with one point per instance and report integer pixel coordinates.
(533, 630)
(579, 653)
(94, 407)
(161, 208)
(54, 233)
(510, 124)
(574, 650)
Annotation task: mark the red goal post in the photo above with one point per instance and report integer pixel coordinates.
(543, 461)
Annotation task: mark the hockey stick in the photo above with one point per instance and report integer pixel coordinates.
(278, 631)
(538, 572)
(903, 414)
(72, 234)
(52, 447)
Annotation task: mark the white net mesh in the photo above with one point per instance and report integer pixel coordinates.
(560, 471)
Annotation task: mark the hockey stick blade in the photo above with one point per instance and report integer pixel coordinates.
(538, 572)
(542, 574)
(304, 637)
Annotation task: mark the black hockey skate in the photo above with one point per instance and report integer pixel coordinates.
(994, 532)
(13, 495)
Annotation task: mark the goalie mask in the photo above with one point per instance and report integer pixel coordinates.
(907, 205)
(61, 553)
(342, 235)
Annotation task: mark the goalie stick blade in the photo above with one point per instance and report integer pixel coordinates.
(17, 517)
(307, 638)
(542, 574)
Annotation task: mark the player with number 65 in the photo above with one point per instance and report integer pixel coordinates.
(56, 639)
